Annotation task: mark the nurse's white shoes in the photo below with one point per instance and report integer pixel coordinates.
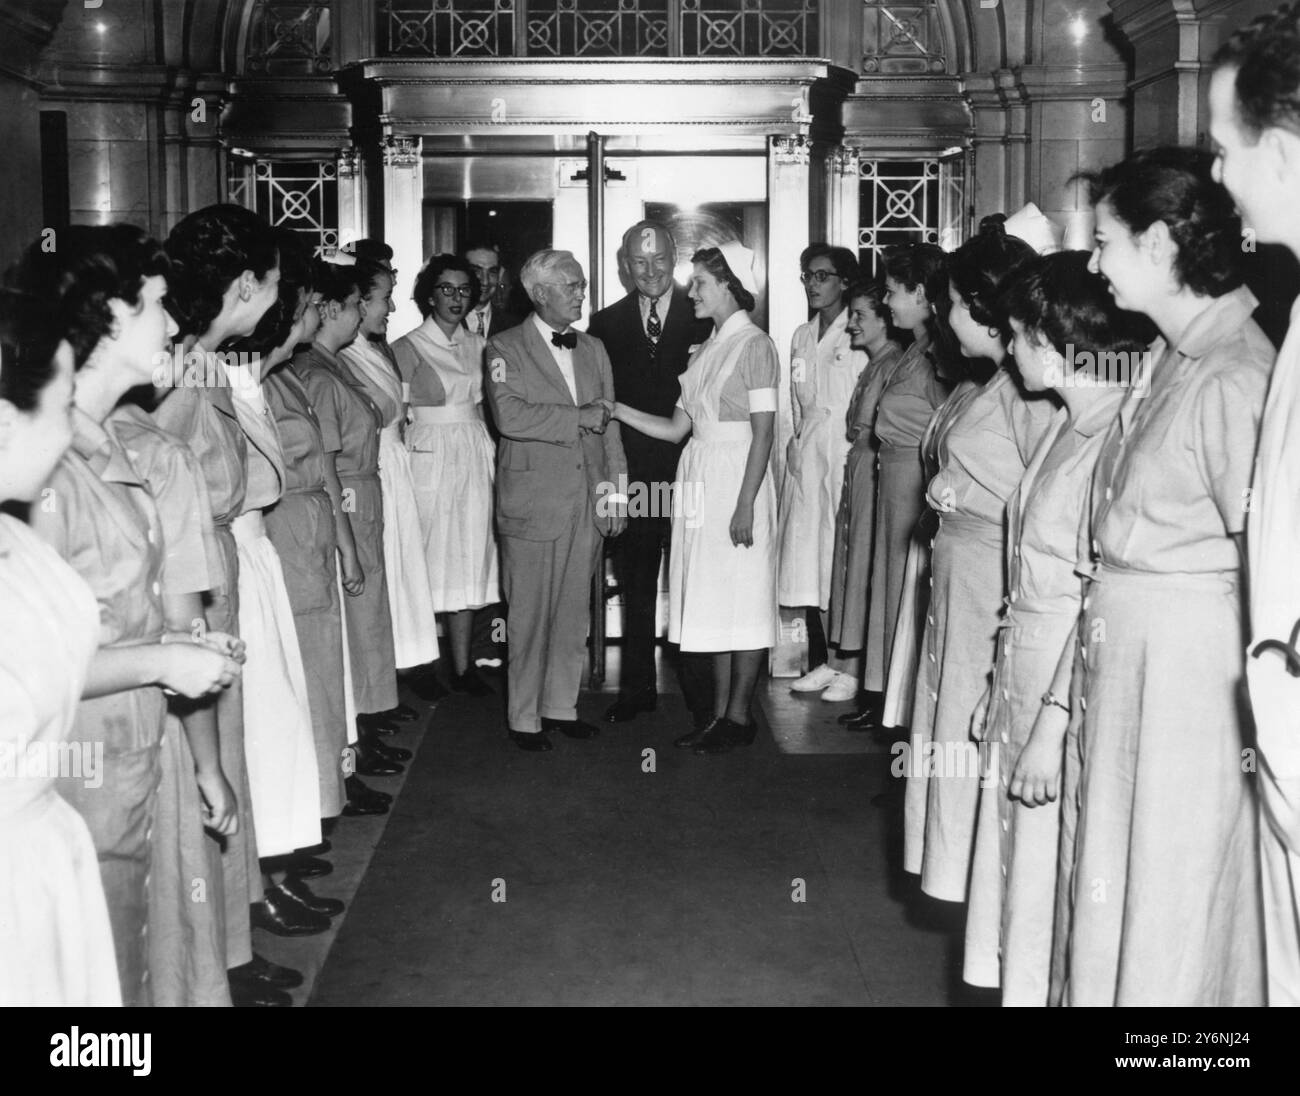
(844, 687)
(814, 681)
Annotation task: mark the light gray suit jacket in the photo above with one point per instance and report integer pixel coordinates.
(544, 462)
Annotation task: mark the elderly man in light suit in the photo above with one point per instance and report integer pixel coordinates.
(551, 389)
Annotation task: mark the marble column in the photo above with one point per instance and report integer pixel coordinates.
(403, 231)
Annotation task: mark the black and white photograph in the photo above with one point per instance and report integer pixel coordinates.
(651, 503)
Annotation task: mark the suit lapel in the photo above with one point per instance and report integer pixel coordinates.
(541, 353)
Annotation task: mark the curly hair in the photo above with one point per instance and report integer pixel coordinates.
(433, 270)
(1175, 185)
(874, 294)
(29, 337)
(209, 249)
(712, 259)
(1058, 298)
(843, 261)
(917, 264)
(89, 266)
(1266, 55)
(980, 268)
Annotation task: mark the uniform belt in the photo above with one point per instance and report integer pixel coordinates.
(448, 413)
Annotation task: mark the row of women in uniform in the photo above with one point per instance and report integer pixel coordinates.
(1054, 582)
(173, 603)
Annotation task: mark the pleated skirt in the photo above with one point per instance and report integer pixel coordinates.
(406, 566)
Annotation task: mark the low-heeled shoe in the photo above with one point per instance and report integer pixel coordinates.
(267, 973)
(330, 907)
(571, 728)
(403, 713)
(628, 708)
(533, 743)
(282, 914)
(694, 734)
(250, 993)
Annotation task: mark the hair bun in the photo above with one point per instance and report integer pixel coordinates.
(993, 225)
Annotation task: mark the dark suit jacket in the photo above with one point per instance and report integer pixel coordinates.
(544, 462)
(646, 382)
(502, 320)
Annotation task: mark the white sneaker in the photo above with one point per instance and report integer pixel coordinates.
(814, 681)
(844, 687)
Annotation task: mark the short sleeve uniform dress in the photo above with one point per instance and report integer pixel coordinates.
(56, 942)
(453, 462)
(350, 423)
(721, 596)
(1013, 879)
(1164, 863)
(984, 436)
(823, 375)
(410, 594)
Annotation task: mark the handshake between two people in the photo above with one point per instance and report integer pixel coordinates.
(593, 417)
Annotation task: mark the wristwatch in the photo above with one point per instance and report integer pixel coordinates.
(1050, 698)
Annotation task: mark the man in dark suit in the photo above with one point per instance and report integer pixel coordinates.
(559, 464)
(485, 318)
(649, 334)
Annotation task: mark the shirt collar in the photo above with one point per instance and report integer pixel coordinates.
(439, 336)
(732, 324)
(96, 447)
(547, 330)
(1099, 413)
(1222, 318)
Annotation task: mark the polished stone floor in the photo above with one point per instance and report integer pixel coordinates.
(622, 871)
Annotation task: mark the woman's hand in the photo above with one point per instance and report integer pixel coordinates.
(980, 716)
(194, 671)
(742, 525)
(230, 646)
(1037, 776)
(351, 574)
(219, 808)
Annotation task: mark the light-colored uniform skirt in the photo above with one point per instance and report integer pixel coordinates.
(854, 545)
(956, 659)
(368, 620)
(406, 567)
(187, 934)
(901, 498)
(453, 470)
(278, 739)
(1013, 878)
(721, 596)
(1165, 898)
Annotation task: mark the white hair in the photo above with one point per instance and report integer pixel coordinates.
(540, 265)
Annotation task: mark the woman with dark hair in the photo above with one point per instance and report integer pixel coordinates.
(224, 276)
(916, 284)
(824, 368)
(1059, 313)
(57, 946)
(410, 594)
(350, 424)
(722, 565)
(1165, 844)
(1255, 127)
(452, 456)
(126, 524)
(869, 329)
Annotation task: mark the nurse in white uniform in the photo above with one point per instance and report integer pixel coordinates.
(722, 571)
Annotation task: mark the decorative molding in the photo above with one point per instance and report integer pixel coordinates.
(401, 152)
(349, 162)
(791, 150)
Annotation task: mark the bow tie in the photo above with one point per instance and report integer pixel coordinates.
(567, 341)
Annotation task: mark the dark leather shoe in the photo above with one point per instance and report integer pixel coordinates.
(858, 721)
(534, 743)
(385, 752)
(363, 799)
(304, 867)
(330, 907)
(266, 973)
(723, 735)
(368, 761)
(625, 709)
(282, 914)
(470, 683)
(693, 735)
(571, 728)
(403, 713)
(250, 993)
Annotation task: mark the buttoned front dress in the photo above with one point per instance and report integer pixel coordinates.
(453, 464)
(1013, 878)
(101, 517)
(722, 596)
(1273, 537)
(350, 423)
(301, 527)
(856, 521)
(984, 436)
(912, 392)
(187, 955)
(823, 375)
(406, 567)
(1163, 865)
(56, 940)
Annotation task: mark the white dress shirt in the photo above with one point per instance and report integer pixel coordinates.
(563, 358)
(476, 315)
(664, 302)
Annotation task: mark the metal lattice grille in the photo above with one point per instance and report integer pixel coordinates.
(901, 39)
(597, 28)
(288, 38)
(447, 28)
(904, 201)
(297, 194)
(749, 28)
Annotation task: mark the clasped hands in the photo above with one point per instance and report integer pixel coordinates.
(594, 417)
